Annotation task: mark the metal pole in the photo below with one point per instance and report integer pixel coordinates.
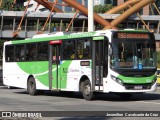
(91, 29)
(1, 25)
(83, 27)
(26, 28)
(61, 25)
(14, 23)
(90, 16)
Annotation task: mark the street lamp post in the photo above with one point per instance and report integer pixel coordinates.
(90, 16)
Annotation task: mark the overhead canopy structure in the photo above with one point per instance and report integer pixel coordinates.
(132, 7)
(122, 6)
(1, 2)
(135, 5)
(84, 10)
(129, 12)
(48, 5)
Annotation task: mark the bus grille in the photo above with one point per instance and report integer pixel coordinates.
(138, 87)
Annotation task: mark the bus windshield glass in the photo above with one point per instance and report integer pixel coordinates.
(129, 53)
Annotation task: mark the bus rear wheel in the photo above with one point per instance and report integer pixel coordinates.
(86, 90)
(31, 86)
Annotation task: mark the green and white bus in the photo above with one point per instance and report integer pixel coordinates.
(110, 61)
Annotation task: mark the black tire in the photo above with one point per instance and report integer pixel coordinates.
(86, 90)
(31, 86)
(9, 87)
(125, 96)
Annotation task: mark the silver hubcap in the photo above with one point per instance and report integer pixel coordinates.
(31, 85)
(87, 90)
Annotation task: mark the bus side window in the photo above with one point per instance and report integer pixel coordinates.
(42, 51)
(80, 49)
(83, 49)
(87, 52)
(31, 54)
(9, 53)
(69, 49)
(20, 52)
(71, 52)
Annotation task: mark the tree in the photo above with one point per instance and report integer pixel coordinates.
(98, 8)
(7, 4)
(102, 8)
(107, 7)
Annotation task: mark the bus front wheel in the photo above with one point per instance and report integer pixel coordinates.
(31, 86)
(86, 90)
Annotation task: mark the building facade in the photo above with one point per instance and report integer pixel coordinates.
(97, 2)
(33, 5)
(145, 11)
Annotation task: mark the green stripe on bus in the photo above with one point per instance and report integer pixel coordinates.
(98, 38)
(40, 71)
(137, 80)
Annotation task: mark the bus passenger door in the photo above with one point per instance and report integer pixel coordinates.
(100, 63)
(54, 63)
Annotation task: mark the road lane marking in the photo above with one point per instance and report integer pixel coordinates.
(148, 102)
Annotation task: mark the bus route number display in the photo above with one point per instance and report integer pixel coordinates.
(133, 35)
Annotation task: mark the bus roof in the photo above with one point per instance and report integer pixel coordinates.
(68, 35)
(55, 36)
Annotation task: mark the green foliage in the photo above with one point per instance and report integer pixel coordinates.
(158, 59)
(121, 26)
(107, 7)
(98, 8)
(102, 8)
(7, 5)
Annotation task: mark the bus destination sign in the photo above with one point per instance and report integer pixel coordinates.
(133, 35)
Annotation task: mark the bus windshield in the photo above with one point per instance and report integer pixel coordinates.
(133, 55)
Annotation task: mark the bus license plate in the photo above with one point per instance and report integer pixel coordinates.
(138, 87)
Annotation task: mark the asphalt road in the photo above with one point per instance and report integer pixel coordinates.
(19, 100)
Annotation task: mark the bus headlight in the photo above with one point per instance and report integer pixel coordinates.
(154, 80)
(117, 80)
(113, 77)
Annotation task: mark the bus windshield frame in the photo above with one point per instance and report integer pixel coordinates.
(133, 51)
